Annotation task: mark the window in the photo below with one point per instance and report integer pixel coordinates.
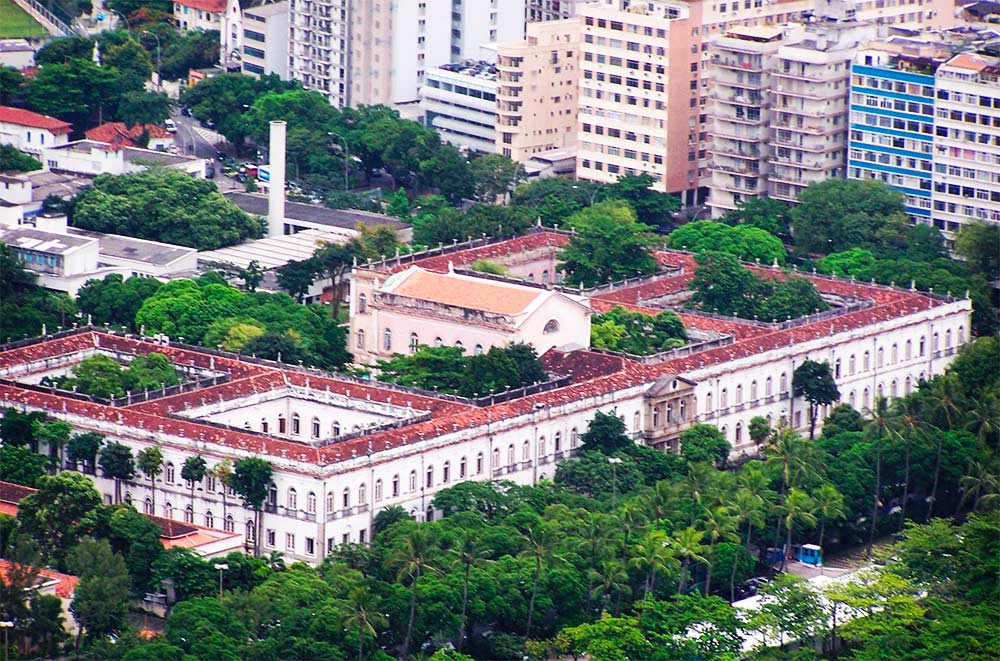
(360, 339)
(438, 342)
(295, 424)
(311, 502)
(310, 546)
(526, 451)
(387, 340)
(395, 486)
(767, 387)
(739, 433)
(479, 464)
(783, 383)
(414, 342)
(708, 403)
(947, 339)
(272, 495)
(478, 350)
(510, 454)
(552, 325)
(908, 350)
(292, 500)
(336, 428)
(330, 505)
(851, 364)
(881, 357)
(724, 398)
(362, 304)
(866, 363)
(557, 440)
(271, 537)
(836, 369)
(282, 426)
(753, 391)
(363, 494)
(462, 469)
(263, 425)
(169, 474)
(230, 524)
(739, 394)
(315, 427)
(168, 511)
(574, 437)
(413, 480)
(923, 342)
(378, 490)
(429, 477)
(188, 514)
(446, 472)
(147, 506)
(209, 519)
(289, 541)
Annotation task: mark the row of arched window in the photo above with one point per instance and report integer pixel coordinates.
(754, 394)
(209, 519)
(315, 426)
(413, 345)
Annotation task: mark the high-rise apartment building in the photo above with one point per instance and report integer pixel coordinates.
(925, 119)
(656, 123)
(552, 10)
(459, 101)
(537, 93)
(378, 51)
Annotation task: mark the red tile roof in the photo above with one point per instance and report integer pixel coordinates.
(118, 134)
(13, 493)
(65, 588)
(23, 117)
(214, 6)
(466, 292)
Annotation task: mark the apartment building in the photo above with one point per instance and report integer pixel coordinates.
(264, 39)
(621, 39)
(537, 98)
(925, 120)
(319, 47)
(459, 101)
(552, 10)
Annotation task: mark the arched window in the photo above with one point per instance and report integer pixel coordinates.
(908, 350)
(282, 425)
(656, 416)
(147, 506)
(635, 422)
(739, 394)
(169, 474)
(296, 425)
(574, 438)
(768, 390)
(128, 498)
(865, 398)
(881, 357)
(359, 340)
(934, 342)
(961, 334)
(459, 345)
(272, 495)
(541, 446)
(315, 427)
(345, 498)
(446, 472)
(557, 440)
(429, 477)
(413, 481)
(708, 403)
(479, 464)
(330, 502)
(263, 425)
(311, 502)
(894, 354)
(387, 339)
(531, 277)
(510, 455)
(168, 511)
(852, 399)
(438, 342)
(551, 326)
(739, 433)
(683, 408)
(336, 428)
(947, 339)
(892, 388)
(378, 490)
(866, 364)
(545, 276)
(923, 347)
(478, 350)
(496, 458)
(251, 533)
(908, 386)
(188, 514)
(753, 391)
(362, 494)
(836, 369)
(880, 391)
(209, 519)
(414, 343)
(724, 399)
(463, 469)
(229, 525)
(292, 500)
(395, 486)
(783, 383)
(525, 451)
(362, 304)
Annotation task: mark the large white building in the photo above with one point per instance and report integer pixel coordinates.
(343, 449)
(459, 101)
(375, 52)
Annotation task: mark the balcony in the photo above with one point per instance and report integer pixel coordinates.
(753, 171)
(744, 154)
(739, 133)
(804, 74)
(738, 64)
(753, 121)
(756, 100)
(805, 163)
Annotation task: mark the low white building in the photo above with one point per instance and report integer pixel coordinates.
(199, 14)
(17, 54)
(459, 101)
(31, 132)
(264, 39)
(88, 157)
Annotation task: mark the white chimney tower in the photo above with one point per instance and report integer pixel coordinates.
(276, 185)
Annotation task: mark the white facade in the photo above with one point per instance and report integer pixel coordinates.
(30, 132)
(265, 40)
(460, 103)
(87, 157)
(319, 47)
(199, 14)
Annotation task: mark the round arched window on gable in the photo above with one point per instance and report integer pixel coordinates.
(551, 326)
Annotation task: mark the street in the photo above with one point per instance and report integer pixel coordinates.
(201, 142)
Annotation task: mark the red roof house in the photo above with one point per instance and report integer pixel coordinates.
(118, 134)
(26, 118)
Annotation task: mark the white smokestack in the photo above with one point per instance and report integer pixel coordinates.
(276, 185)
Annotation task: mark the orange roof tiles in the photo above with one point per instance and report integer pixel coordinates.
(65, 588)
(467, 292)
(117, 134)
(23, 117)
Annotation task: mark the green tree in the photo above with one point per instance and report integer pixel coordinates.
(540, 542)
(100, 601)
(797, 509)
(116, 300)
(412, 559)
(337, 260)
(12, 160)
(117, 463)
(297, 277)
(18, 428)
(149, 461)
(745, 242)
(137, 539)
(164, 205)
(839, 214)
(687, 545)
(759, 429)
(494, 175)
(653, 555)
(78, 92)
(760, 212)
(251, 479)
(723, 286)
(363, 618)
(704, 443)
(829, 506)
(608, 244)
(82, 450)
(193, 471)
(636, 333)
(813, 381)
(21, 466)
(978, 243)
(142, 108)
(651, 207)
(59, 513)
(469, 553)
(605, 433)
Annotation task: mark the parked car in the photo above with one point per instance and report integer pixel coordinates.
(170, 126)
(210, 172)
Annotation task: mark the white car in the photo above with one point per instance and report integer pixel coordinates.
(170, 126)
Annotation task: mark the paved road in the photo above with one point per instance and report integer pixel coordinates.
(194, 139)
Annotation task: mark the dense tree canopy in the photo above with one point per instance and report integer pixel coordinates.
(636, 333)
(101, 376)
(746, 242)
(24, 307)
(164, 205)
(609, 244)
(838, 214)
(12, 160)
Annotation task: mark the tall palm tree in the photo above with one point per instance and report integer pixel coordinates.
(981, 486)
(719, 525)
(688, 546)
(469, 553)
(223, 472)
(193, 471)
(149, 461)
(906, 424)
(594, 532)
(793, 456)
(364, 617)
(946, 404)
(984, 421)
(610, 577)
(797, 508)
(747, 507)
(411, 559)
(661, 501)
(698, 483)
(829, 507)
(541, 541)
(631, 519)
(879, 426)
(652, 554)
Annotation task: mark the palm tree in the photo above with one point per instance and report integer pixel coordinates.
(631, 519)
(984, 420)
(698, 483)
(363, 617)
(798, 508)
(880, 424)
(792, 455)
(594, 534)
(469, 553)
(660, 501)
(541, 547)
(687, 545)
(982, 486)
(946, 402)
(223, 472)
(719, 526)
(829, 507)
(747, 507)
(653, 554)
(193, 471)
(610, 577)
(907, 425)
(411, 558)
(149, 461)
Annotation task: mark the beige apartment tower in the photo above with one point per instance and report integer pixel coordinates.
(537, 90)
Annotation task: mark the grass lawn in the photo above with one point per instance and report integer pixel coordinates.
(14, 22)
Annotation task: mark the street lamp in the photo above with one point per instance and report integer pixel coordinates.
(221, 566)
(614, 461)
(347, 155)
(5, 625)
(159, 78)
(592, 195)
(128, 27)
